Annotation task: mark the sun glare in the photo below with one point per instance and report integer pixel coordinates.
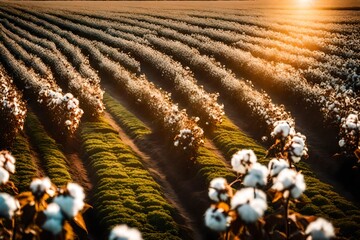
(304, 3)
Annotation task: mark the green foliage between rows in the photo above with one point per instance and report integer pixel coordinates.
(319, 199)
(25, 166)
(124, 192)
(52, 159)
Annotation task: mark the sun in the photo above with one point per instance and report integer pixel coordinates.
(304, 3)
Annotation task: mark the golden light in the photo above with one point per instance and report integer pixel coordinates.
(304, 3)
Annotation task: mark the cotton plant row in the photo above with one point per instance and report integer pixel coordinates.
(63, 109)
(244, 214)
(12, 109)
(87, 45)
(350, 134)
(181, 79)
(185, 131)
(242, 92)
(281, 23)
(90, 94)
(109, 27)
(346, 99)
(28, 59)
(299, 40)
(281, 75)
(118, 56)
(187, 135)
(44, 212)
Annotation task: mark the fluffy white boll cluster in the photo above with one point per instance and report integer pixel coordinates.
(257, 176)
(289, 179)
(40, 186)
(7, 166)
(217, 219)
(219, 190)
(123, 232)
(250, 204)
(320, 230)
(54, 219)
(276, 166)
(8, 205)
(243, 160)
(72, 202)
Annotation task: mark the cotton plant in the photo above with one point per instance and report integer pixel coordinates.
(43, 212)
(289, 144)
(242, 212)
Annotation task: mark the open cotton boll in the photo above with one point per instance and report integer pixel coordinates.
(320, 230)
(8, 205)
(123, 232)
(276, 166)
(219, 190)
(250, 204)
(54, 219)
(76, 191)
(282, 129)
(40, 186)
(217, 219)
(10, 167)
(257, 176)
(242, 160)
(69, 205)
(291, 180)
(4, 176)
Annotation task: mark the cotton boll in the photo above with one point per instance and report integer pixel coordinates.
(242, 160)
(217, 219)
(123, 232)
(8, 205)
(342, 142)
(219, 190)
(4, 176)
(289, 179)
(69, 205)
(40, 186)
(320, 230)
(281, 129)
(250, 204)
(76, 191)
(54, 219)
(251, 212)
(257, 176)
(276, 166)
(10, 167)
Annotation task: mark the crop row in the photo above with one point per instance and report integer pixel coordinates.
(52, 159)
(202, 103)
(62, 109)
(259, 104)
(124, 192)
(332, 43)
(12, 109)
(157, 102)
(89, 94)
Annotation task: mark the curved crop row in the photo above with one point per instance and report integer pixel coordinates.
(124, 191)
(64, 72)
(122, 58)
(242, 93)
(52, 159)
(203, 103)
(331, 45)
(62, 109)
(175, 122)
(26, 169)
(28, 59)
(12, 110)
